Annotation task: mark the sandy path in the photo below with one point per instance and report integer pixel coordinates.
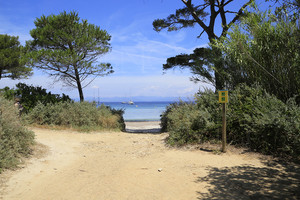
(133, 166)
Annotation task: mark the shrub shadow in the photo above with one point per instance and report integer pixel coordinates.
(248, 182)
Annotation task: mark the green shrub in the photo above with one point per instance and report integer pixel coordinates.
(30, 96)
(83, 116)
(255, 119)
(164, 118)
(187, 124)
(241, 112)
(15, 139)
(262, 122)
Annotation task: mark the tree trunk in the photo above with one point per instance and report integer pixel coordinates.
(219, 82)
(80, 91)
(79, 87)
(219, 69)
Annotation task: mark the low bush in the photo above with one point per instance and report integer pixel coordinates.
(192, 122)
(164, 118)
(82, 116)
(29, 96)
(15, 139)
(187, 124)
(255, 119)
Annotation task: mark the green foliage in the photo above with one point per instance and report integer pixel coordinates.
(67, 49)
(83, 116)
(255, 119)
(7, 93)
(187, 124)
(200, 62)
(181, 19)
(264, 123)
(15, 139)
(264, 49)
(164, 118)
(12, 64)
(206, 100)
(292, 7)
(30, 96)
(206, 63)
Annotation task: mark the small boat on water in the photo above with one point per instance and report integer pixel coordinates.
(129, 102)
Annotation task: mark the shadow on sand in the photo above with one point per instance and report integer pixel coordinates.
(275, 181)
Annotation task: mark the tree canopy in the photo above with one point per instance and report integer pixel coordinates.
(198, 14)
(265, 49)
(204, 14)
(68, 49)
(12, 64)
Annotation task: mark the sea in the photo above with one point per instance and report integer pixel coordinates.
(141, 111)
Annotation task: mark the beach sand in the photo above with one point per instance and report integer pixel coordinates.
(139, 166)
(143, 127)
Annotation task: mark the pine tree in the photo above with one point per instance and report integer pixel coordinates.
(68, 49)
(12, 64)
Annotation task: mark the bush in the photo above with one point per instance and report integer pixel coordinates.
(15, 139)
(262, 122)
(30, 96)
(187, 124)
(255, 119)
(83, 116)
(164, 118)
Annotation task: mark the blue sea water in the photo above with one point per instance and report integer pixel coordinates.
(141, 111)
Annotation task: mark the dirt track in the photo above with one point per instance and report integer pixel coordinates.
(136, 166)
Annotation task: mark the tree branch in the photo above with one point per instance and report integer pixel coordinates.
(223, 17)
(213, 16)
(237, 17)
(226, 3)
(198, 20)
(200, 34)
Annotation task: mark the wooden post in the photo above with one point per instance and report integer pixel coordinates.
(224, 127)
(223, 98)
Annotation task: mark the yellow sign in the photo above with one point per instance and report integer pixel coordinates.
(223, 96)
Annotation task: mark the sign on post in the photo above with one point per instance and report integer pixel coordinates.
(223, 96)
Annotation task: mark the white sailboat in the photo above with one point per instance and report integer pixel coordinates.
(129, 102)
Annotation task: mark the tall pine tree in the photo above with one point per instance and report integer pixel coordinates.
(68, 49)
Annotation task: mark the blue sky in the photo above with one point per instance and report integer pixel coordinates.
(138, 52)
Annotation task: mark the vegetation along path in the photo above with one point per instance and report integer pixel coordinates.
(117, 165)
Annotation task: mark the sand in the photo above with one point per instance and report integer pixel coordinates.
(139, 166)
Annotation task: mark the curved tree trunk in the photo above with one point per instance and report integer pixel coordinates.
(80, 91)
(79, 87)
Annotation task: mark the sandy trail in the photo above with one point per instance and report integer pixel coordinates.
(138, 166)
